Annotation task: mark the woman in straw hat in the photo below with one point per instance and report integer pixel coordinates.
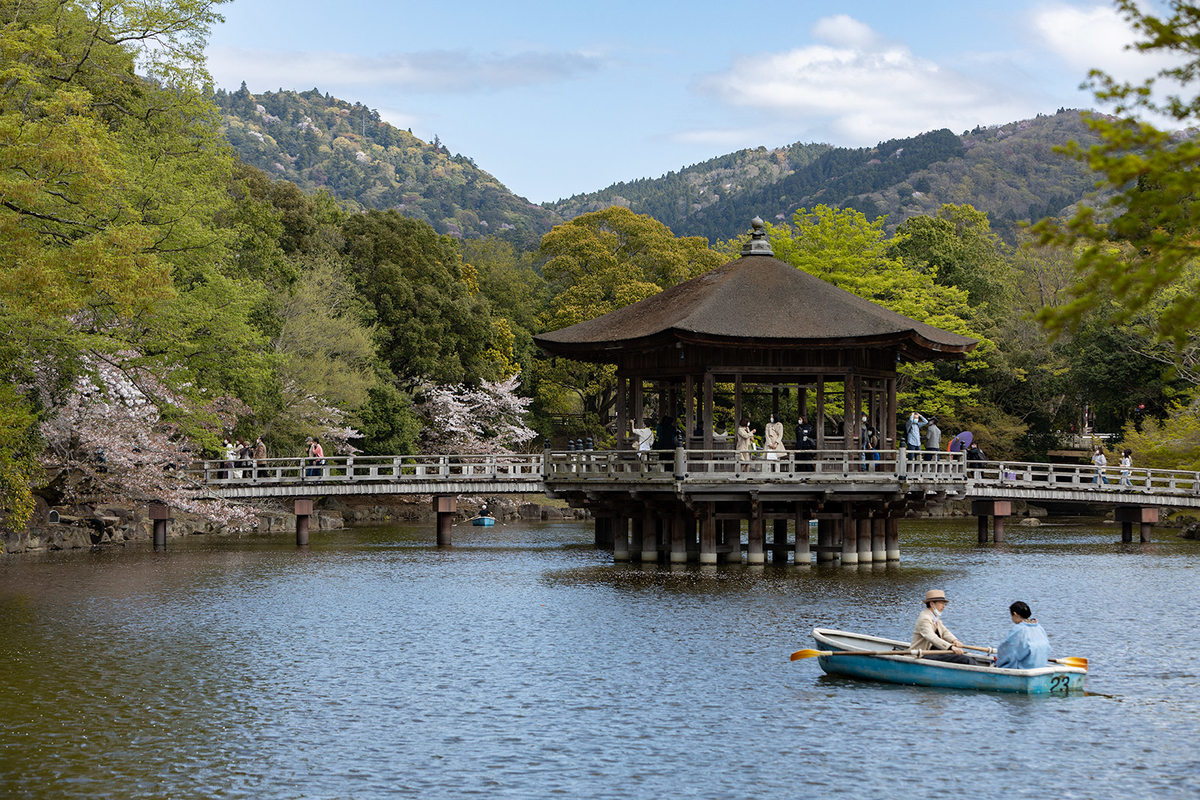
(931, 634)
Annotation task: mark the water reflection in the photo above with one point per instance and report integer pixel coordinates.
(522, 663)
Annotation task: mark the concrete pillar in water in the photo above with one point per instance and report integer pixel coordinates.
(679, 531)
(1143, 516)
(878, 539)
(708, 535)
(603, 536)
(998, 510)
(864, 540)
(849, 529)
(649, 539)
(891, 540)
(779, 553)
(754, 550)
(803, 548)
(620, 538)
(303, 510)
(445, 508)
(160, 514)
(636, 525)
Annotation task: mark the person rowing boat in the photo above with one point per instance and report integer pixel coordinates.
(931, 634)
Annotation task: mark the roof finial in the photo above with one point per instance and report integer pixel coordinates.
(758, 245)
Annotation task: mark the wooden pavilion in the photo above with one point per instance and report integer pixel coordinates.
(754, 322)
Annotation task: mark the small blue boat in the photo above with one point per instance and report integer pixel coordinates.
(484, 521)
(914, 671)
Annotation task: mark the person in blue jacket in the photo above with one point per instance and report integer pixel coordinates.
(1026, 646)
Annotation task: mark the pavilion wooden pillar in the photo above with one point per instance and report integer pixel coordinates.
(624, 440)
(737, 400)
(819, 424)
(849, 417)
(802, 401)
(689, 404)
(639, 402)
(890, 414)
(802, 547)
(707, 414)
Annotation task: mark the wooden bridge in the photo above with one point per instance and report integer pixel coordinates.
(871, 488)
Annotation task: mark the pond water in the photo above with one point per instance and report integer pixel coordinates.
(523, 663)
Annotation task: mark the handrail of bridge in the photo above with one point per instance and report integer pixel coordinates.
(1020, 474)
(370, 469)
(659, 466)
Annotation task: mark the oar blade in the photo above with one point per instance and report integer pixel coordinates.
(805, 653)
(1073, 661)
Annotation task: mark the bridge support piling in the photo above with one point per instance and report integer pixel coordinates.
(865, 556)
(892, 538)
(160, 514)
(1144, 516)
(445, 508)
(679, 532)
(731, 540)
(620, 538)
(708, 535)
(848, 528)
(603, 536)
(635, 537)
(878, 535)
(649, 539)
(779, 553)
(754, 549)
(303, 510)
(803, 547)
(997, 510)
(825, 536)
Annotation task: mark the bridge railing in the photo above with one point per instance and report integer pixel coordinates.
(661, 466)
(370, 469)
(1083, 477)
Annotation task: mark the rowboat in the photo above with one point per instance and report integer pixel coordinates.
(484, 521)
(915, 671)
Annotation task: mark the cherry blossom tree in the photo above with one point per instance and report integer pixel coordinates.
(487, 420)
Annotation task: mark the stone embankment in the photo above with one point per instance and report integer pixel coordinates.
(107, 525)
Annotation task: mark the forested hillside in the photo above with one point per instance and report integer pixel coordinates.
(319, 142)
(1011, 172)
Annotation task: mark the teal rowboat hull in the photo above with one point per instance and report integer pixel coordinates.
(483, 521)
(1054, 679)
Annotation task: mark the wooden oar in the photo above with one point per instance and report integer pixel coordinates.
(1068, 661)
(806, 653)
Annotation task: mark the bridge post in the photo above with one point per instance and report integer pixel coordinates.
(731, 537)
(826, 533)
(620, 538)
(303, 509)
(754, 548)
(160, 514)
(878, 535)
(863, 523)
(679, 532)
(1144, 516)
(998, 510)
(892, 537)
(779, 541)
(636, 525)
(803, 548)
(849, 531)
(649, 539)
(444, 507)
(708, 534)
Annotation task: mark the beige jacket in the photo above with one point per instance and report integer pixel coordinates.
(931, 634)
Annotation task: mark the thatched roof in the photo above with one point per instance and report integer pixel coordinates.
(759, 301)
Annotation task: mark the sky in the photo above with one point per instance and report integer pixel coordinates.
(560, 98)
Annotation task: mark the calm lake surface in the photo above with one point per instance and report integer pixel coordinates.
(523, 663)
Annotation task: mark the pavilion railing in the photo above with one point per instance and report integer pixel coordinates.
(1078, 477)
(370, 469)
(666, 466)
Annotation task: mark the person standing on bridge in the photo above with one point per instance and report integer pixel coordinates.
(744, 442)
(1126, 466)
(931, 634)
(1101, 461)
(260, 455)
(912, 433)
(933, 439)
(1026, 646)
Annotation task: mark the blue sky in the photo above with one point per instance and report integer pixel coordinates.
(559, 98)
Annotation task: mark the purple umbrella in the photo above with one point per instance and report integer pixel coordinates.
(961, 442)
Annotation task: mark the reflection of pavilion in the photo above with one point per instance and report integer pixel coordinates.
(760, 322)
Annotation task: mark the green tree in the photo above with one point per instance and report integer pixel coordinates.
(1153, 176)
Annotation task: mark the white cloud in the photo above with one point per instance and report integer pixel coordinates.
(722, 137)
(860, 88)
(433, 71)
(1096, 37)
